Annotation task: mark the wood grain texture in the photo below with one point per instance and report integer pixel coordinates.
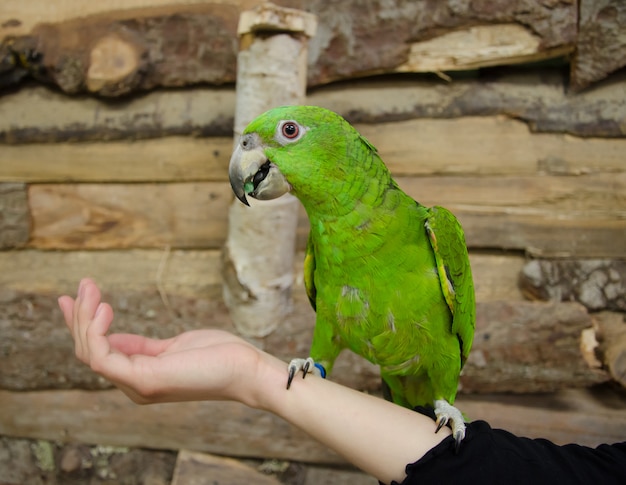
(158, 160)
(14, 215)
(571, 416)
(537, 96)
(46, 115)
(459, 146)
(528, 347)
(544, 216)
(488, 145)
(584, 213)
(104, 216)
(194, 468)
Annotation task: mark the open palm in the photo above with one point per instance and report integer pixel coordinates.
(200, 364)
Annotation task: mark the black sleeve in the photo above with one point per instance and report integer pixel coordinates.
(491, 455)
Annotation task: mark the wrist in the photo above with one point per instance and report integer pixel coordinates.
(261, 387)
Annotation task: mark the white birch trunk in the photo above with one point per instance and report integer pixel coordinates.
(260, 246)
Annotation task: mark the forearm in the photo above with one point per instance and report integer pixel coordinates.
(379, 437)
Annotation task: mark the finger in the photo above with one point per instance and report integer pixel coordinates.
(79, 297)
(66, 304)
(89, 299)
(85, 307)
(73, 323)
(97, 343)
(102, 357)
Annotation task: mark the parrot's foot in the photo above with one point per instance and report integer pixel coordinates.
(306, 366)
(447, 413)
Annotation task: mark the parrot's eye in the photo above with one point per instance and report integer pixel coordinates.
(290, 130)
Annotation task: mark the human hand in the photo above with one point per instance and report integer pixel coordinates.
(195, 365)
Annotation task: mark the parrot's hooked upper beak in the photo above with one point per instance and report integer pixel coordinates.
(252, 173)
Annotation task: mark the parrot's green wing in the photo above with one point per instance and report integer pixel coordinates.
(309, 272)
(448, 243)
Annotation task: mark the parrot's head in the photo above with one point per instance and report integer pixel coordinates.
(297, 149)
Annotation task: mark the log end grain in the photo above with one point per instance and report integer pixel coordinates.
(115, 66)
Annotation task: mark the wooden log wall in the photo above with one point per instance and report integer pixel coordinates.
(116, 131)
(116, 48)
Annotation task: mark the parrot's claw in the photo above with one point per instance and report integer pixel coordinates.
(446, 413)
(305, 365)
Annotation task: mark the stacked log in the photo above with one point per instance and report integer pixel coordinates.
(90, 48)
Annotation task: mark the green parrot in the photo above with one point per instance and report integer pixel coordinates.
(388, 278)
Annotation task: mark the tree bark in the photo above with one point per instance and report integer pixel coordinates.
(260, 244)
(190, 44)
(601, 41)
(599, 284)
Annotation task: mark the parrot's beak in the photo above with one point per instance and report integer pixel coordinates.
(251, 173)
(236, 173)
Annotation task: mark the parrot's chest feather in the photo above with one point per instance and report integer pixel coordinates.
(352, 306)
(378, 324)
(376, 281)
(377, 308)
